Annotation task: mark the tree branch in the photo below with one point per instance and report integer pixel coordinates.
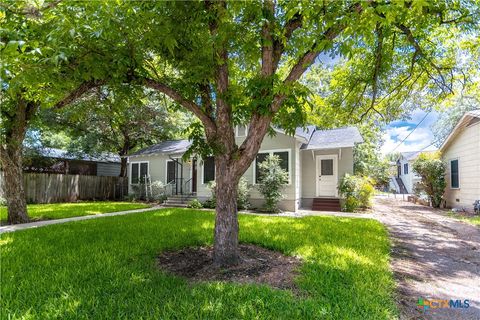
(267, 38)
(279, 46)
(177, 97)
(77, 93)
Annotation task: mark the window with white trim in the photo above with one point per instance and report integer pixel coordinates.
(454, 176)
(405, 168)
(138, 171)
(284, 156)
(241, 131)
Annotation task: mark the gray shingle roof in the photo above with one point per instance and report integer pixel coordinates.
(317, 139)
(168, 147)
(334, 138)
(64, 154)
(412, 155)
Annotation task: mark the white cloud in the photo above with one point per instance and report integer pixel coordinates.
(419, 139)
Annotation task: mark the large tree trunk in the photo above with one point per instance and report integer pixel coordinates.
(13, 185)
(123, 167)
(226, 220)
(11, 159)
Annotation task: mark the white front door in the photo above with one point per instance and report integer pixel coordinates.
(327, 171)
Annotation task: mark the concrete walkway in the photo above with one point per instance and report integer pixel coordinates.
(37, 224)
(434, 256)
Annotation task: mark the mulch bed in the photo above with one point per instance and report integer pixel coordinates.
(257, 265)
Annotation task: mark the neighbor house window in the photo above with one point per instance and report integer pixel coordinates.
(454, 180)
(241, 131)
(208, 170)
(138, 172)
(405, 168)
(261, 156)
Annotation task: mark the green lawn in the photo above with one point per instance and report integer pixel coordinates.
(105, 269)
(67, 210)
(475, 220)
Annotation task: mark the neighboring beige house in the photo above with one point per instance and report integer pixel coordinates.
(461, 152)
(316, 160)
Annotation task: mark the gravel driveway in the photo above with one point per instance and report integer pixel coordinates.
(434, 257)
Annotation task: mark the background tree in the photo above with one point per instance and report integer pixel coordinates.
(453, 109)
(118, 119)
(31, 77)
(430, 167)
(236, 62)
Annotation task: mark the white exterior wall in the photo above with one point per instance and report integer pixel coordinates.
(410, 179)
(308, 165)
(466, 148)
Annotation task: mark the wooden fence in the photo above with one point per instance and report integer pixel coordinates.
(51, 188)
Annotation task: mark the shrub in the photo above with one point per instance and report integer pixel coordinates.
(272, 181)
(357, 192)
(3, 201)
(212, 202)
(431, 169)
(194, 204)
(243, 195)
(158, 191)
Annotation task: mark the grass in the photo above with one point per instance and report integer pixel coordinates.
(66, 210)
(105, 269)
(475, 220)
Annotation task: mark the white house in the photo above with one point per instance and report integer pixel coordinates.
(461, 152)
(405, 170)
(316, 160)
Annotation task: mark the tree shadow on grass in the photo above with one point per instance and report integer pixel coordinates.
(105, 268)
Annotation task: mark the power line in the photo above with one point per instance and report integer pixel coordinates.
(398, 145)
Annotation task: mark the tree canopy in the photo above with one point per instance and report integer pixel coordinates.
(242, 62)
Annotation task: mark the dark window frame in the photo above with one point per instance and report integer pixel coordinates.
(138, 164)
(273, 152)
(454, 177)
(204, 173)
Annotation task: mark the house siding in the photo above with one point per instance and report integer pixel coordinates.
(466, 148)
(291, 200)
(411, 178)
(108, 169)
(308, 163)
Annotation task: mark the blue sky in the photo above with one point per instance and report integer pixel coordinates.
(396, 131)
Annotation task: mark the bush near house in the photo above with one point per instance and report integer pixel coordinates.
(194, 204)
(243, 195)
(272, 181)
(430, 167)
(357, 192)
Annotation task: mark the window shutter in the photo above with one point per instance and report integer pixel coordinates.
(208, 170)
(454, 180)
(134, 172)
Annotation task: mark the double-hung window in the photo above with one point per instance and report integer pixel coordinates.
(138, 171)
(284, 156)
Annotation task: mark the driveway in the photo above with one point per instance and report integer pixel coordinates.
(434, 257)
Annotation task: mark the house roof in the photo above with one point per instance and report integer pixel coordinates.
(64, 154)
(312, 139)
(465, 121)
(411, 155)
(168, 147)
(334, 138)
